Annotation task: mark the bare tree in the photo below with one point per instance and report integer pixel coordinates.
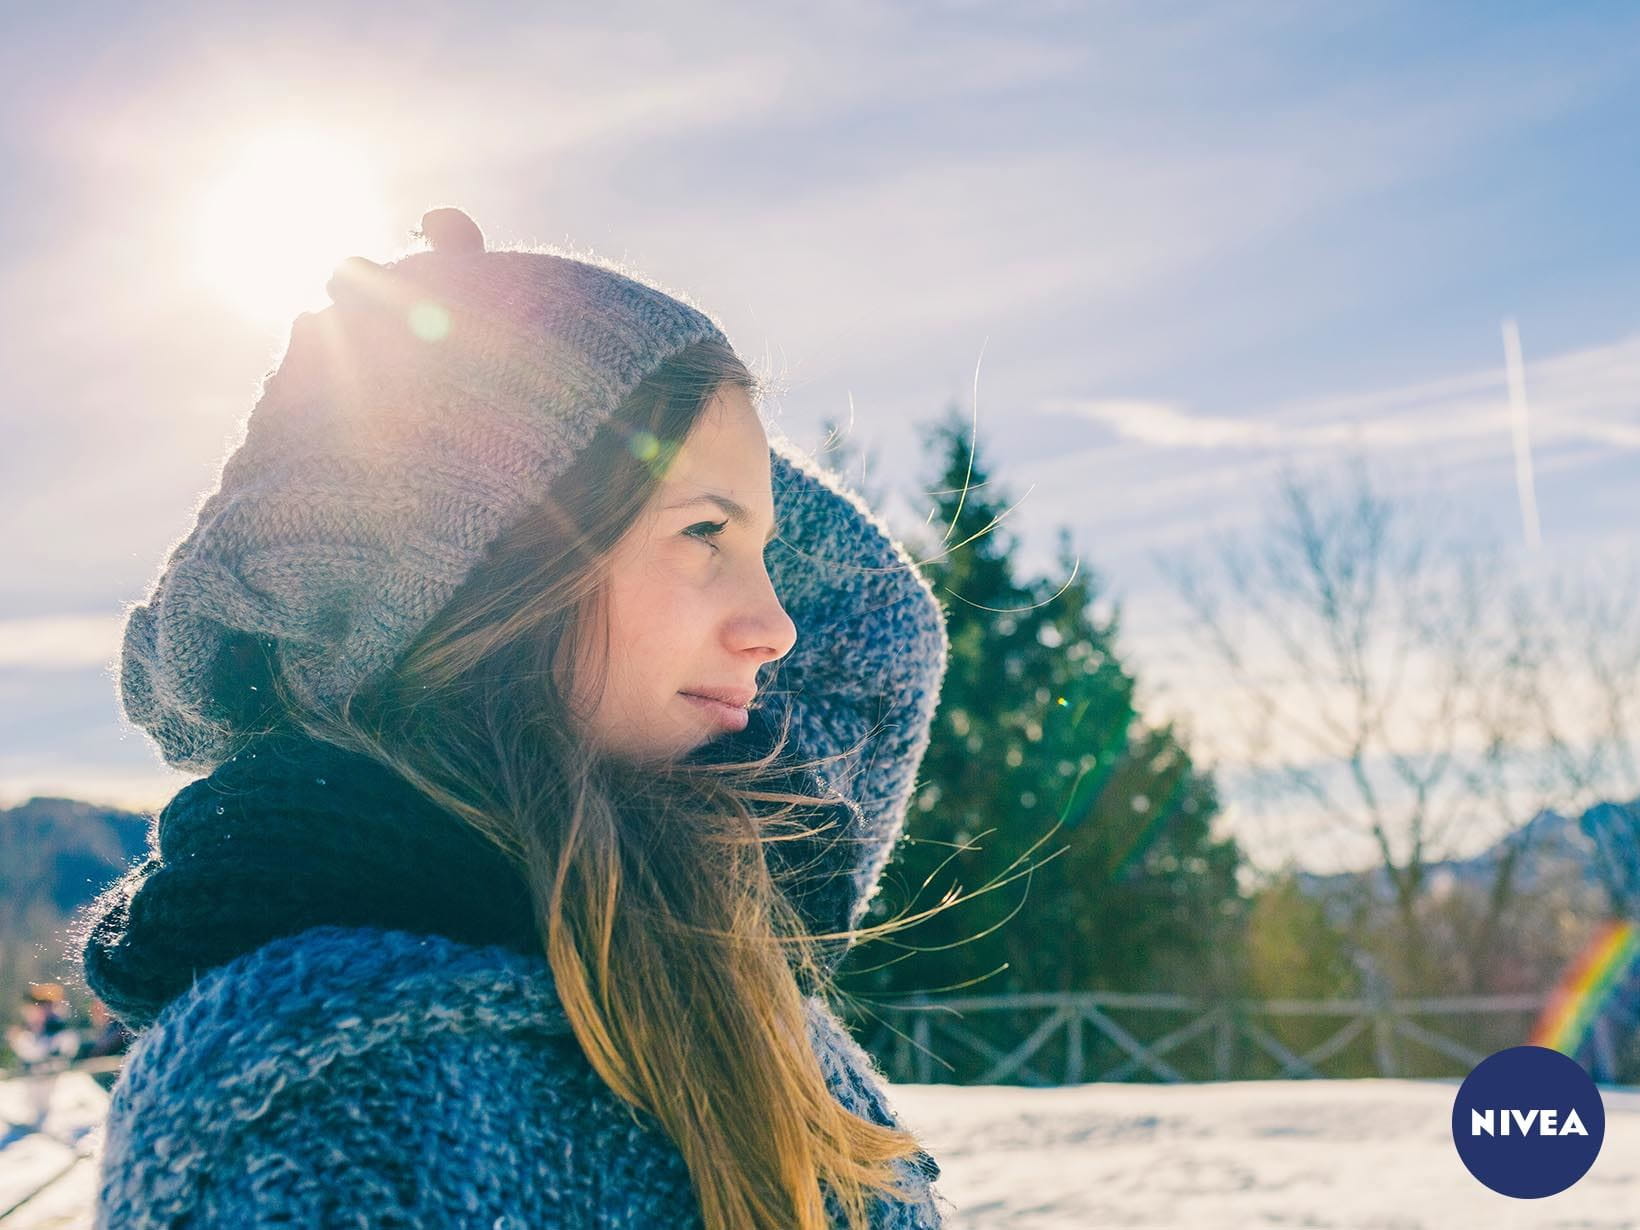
(1401, 694)
(1592, 637)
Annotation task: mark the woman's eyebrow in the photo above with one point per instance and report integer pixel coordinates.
(732, 509)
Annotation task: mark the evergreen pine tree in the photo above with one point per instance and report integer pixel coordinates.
(1037, 724)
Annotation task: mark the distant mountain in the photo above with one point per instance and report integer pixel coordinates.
(55, 856)
(1555, 853)
(1567, 876)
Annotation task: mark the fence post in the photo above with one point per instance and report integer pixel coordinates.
(1605, 1059)
(1073, 1050)
(1375, 990)
(925, 1061)
(1224, 1041)
(902, 1054)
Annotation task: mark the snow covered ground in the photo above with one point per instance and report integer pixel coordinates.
(1311, 1154)
(58, 1161)
(1359, 1154)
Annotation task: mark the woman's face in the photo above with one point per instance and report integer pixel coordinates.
(690, 604)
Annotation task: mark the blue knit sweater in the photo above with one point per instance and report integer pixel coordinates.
(374, 1077)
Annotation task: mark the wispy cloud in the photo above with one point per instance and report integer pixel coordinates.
(1169, 473)
(1591, 394)
(1165, 425)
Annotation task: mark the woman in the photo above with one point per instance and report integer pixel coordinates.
(556, 730)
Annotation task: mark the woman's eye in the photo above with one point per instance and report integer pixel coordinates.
(709, 530)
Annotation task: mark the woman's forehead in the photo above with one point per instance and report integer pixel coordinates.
(726, 454)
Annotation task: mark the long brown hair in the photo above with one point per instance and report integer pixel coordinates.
(673, 951)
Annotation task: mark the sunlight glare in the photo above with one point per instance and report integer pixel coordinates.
(277, 221)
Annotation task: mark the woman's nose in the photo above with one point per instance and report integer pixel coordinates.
(771, 627)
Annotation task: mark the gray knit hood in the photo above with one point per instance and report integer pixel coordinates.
(407, 426)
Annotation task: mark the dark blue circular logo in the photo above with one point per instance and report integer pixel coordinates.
(1528, 1122)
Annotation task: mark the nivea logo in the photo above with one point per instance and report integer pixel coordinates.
(1511, 1121)
(1528, 1122)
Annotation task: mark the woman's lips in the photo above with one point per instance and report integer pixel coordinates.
(730, 717)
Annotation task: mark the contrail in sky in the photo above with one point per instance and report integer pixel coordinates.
(1525, 488)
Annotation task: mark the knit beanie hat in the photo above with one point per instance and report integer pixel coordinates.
(408, 425)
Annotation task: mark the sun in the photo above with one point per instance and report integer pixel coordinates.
(273, 225)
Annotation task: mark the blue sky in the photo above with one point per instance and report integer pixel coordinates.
(1176, 244)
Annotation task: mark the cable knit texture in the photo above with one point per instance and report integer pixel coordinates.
(343, 1020)
(370, 1078)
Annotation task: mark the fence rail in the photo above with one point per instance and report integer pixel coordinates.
(1079, 1038)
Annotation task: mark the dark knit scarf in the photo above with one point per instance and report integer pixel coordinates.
(293, 833)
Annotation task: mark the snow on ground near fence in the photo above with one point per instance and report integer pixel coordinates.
(1314, 1154)
(1365, 1153)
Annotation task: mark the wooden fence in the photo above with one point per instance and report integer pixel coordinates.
(1049, 1038)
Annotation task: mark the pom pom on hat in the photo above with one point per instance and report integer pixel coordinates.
(450, 230)
(445, 230)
